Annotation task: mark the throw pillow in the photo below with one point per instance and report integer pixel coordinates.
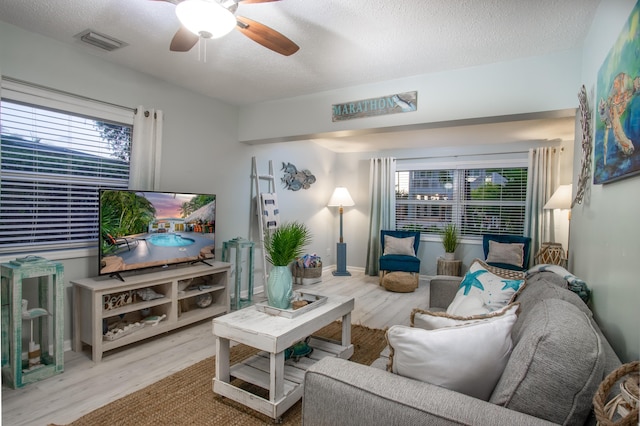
(428, 320)
(494, 287)
(509, 253)
(393, 245)
(468, 358)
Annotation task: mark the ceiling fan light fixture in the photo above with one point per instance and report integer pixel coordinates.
(208, 19)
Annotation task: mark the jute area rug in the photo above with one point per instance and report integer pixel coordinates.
(187, 398)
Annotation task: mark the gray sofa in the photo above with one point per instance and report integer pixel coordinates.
(559, 358)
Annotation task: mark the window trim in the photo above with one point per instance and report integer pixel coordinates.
(66, 102)
(407, 165)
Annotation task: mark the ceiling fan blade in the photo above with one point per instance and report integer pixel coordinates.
(268, 37)
(183, 41)
(255, 1)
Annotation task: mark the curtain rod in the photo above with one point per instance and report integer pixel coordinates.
(62, 92)
(470, 155)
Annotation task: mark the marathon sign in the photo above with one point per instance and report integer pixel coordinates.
(384, 105)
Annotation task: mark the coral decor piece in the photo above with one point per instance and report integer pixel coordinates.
(585, 166)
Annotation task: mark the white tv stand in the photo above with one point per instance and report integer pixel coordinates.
(179, 303)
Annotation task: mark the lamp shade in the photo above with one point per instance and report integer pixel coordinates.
(561, 199)
(208, 19)
(340, 198)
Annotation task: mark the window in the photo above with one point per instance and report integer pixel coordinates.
(53, 159)
(477, 200)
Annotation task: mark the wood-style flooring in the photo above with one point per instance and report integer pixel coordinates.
(85, 385)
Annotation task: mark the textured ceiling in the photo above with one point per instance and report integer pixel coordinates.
(342, 42)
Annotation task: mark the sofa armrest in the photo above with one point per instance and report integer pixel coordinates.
(442, 290)
(340, 392)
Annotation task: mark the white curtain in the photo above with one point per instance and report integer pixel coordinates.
(146, 149)
(542, 181)
(382, 210)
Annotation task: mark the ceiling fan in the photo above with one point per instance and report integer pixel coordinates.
(216, 18)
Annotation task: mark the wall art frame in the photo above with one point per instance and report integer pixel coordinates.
(617, 121)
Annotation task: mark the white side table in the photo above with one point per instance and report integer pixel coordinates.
(272, 335)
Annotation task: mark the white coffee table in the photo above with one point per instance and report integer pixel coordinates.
(272, 335)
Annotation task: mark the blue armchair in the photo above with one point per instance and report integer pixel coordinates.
(500, 260)
(401, 259)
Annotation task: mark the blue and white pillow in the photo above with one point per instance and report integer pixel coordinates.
(485, 289)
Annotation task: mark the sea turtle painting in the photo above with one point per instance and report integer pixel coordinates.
(616, 141)
(612, 108)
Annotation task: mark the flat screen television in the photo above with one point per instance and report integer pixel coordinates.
(146, 229)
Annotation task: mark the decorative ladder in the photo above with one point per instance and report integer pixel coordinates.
(271, 188)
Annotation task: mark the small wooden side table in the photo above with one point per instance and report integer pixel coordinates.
(449, 267)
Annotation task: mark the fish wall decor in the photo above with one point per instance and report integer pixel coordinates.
(295, 179)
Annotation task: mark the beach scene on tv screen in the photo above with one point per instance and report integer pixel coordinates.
(151, 229)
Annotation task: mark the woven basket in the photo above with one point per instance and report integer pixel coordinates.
(400, 282)
(299, 272)
(552, 254)
(624, 406)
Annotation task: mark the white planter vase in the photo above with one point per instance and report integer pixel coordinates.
(449, 256)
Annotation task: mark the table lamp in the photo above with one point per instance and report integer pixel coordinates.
(561, 200)
(341, 198)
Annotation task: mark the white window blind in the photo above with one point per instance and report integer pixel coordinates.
(52, 163)
(477, 200)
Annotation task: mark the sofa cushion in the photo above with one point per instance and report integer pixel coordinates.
(485, 289)
(467, 358)
(555, 367)
(542, 286)
(546, 284)
(430, 320)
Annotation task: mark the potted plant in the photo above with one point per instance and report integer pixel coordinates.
(450, 240)
(282, 246)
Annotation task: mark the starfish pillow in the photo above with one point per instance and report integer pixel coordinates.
(485, 289)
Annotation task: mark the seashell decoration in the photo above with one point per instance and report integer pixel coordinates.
(295, 179)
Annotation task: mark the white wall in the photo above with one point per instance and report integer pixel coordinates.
(605, 236)
(545, 83)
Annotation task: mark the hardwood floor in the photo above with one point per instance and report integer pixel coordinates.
(85, 385)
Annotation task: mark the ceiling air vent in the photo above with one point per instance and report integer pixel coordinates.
(102, 41)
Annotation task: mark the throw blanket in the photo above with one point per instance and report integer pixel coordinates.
(575, 284)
